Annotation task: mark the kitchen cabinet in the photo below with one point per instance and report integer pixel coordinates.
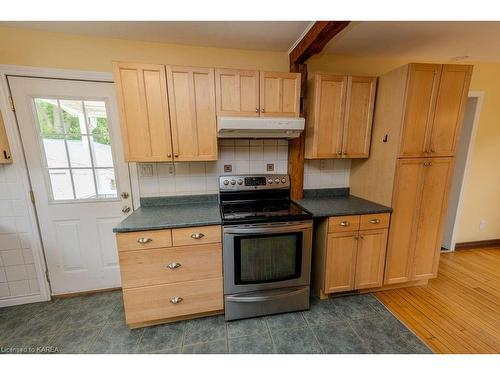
(191, 96)
(171, 274)
(340, 113)
(141, 92)
(349, 253)
(420, 204)
(157, 124)
(257, 94)
(435, 104)
(5, 156)
(237, 92)
(418, 119)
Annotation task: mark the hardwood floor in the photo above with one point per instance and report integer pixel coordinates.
(459, 311)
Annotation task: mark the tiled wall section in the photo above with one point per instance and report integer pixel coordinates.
(244, 156)
(17, 270)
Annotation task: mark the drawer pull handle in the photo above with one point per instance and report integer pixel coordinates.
(144, 240)
(375, 221)
(197, 236)
(176, 300)
(344, 223)
(174, 265)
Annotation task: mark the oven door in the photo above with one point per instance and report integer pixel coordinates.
(266, 256)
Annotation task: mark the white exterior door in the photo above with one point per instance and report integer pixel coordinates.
(71, 139)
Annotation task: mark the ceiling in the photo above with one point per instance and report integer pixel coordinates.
(420, 40)
(260, 35)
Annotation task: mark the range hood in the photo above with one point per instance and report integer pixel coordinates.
(259, 127)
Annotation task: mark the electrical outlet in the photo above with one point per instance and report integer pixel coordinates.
(482, 224)
(322, 164)
(228, 168)
(270, 167)
(146, 170)
(171, 169)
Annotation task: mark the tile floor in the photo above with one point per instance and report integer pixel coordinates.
(95, 324)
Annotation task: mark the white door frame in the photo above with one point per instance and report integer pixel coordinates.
(475, 125)
(21, 167)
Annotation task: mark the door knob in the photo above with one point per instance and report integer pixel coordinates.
(126, 209)
(124, 195)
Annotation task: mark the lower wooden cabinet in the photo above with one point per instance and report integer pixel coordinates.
(170, 275)
(349, 260)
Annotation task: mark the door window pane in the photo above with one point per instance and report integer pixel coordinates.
(77, 148)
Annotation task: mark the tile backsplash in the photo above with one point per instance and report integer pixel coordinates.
(236, 156)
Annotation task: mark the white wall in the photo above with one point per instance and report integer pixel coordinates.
(244, 156)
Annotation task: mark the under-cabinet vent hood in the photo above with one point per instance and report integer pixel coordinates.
(259, 127)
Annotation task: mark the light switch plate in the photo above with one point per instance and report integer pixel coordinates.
(146, 170)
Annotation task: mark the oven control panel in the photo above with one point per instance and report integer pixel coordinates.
(254, 182)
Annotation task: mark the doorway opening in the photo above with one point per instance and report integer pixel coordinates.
(462, 162)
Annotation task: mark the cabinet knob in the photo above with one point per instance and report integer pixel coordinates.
(256, 110)
(339, 152)
(144, 240)
(361, 236)
(375, 221)
(176, 155)
(262, 110)
(344, 224)
(173, 265)
(356, 237)
(176, 300)
(344, 153)
(197, 236)
(169, 155)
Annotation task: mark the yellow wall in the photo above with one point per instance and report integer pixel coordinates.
(482, 190)
(55, 50)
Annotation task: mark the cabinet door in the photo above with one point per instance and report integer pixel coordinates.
(407, 196)
(141, 92)
(421, 94)
(370, 258)
(326, 117)
(450, 107)
(5, 156)
(191, 95)
(237, 92)
(340, 262)
(360, 100)
(433, 208)
(279, 94)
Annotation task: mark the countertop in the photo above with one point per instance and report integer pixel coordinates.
(337, 202)
(172, 212)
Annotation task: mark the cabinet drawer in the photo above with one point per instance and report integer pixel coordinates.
(374, 221)
(343, 223)
(144, 239)
(155, 302)
(170, 265)
(196, 235)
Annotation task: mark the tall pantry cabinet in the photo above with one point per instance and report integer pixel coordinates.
(417, 124)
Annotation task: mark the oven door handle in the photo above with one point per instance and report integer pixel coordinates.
(264, 298)
(263, 229)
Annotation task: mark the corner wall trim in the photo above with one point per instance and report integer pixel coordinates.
(477, 244)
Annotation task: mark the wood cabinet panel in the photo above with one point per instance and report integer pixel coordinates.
(450, 107)
(142, 100)
(340, 265)
(406, 210)
(191, 95)
(422, 88)
(196, 235)
(343, 223)
(360, 100)
(433, 209)
(237, 92)
(151, 266)
(152, 303)
(279, 94)
(370, 258)
(5, 155)
(148, 239)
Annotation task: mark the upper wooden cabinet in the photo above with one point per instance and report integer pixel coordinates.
(5, 156)
(191, 95)
(152, 132)
(434, 109)
(141, 91)
(253, 93)
(340, 112)
(237, 92)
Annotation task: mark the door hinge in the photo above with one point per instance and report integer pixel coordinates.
(11, 102)
(32, 196)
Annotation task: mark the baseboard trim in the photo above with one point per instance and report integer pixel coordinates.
(86, 293)
(478, 244)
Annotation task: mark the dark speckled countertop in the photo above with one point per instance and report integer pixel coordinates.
(172, 212)
(337, 202)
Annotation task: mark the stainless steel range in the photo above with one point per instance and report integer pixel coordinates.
(266, 247)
